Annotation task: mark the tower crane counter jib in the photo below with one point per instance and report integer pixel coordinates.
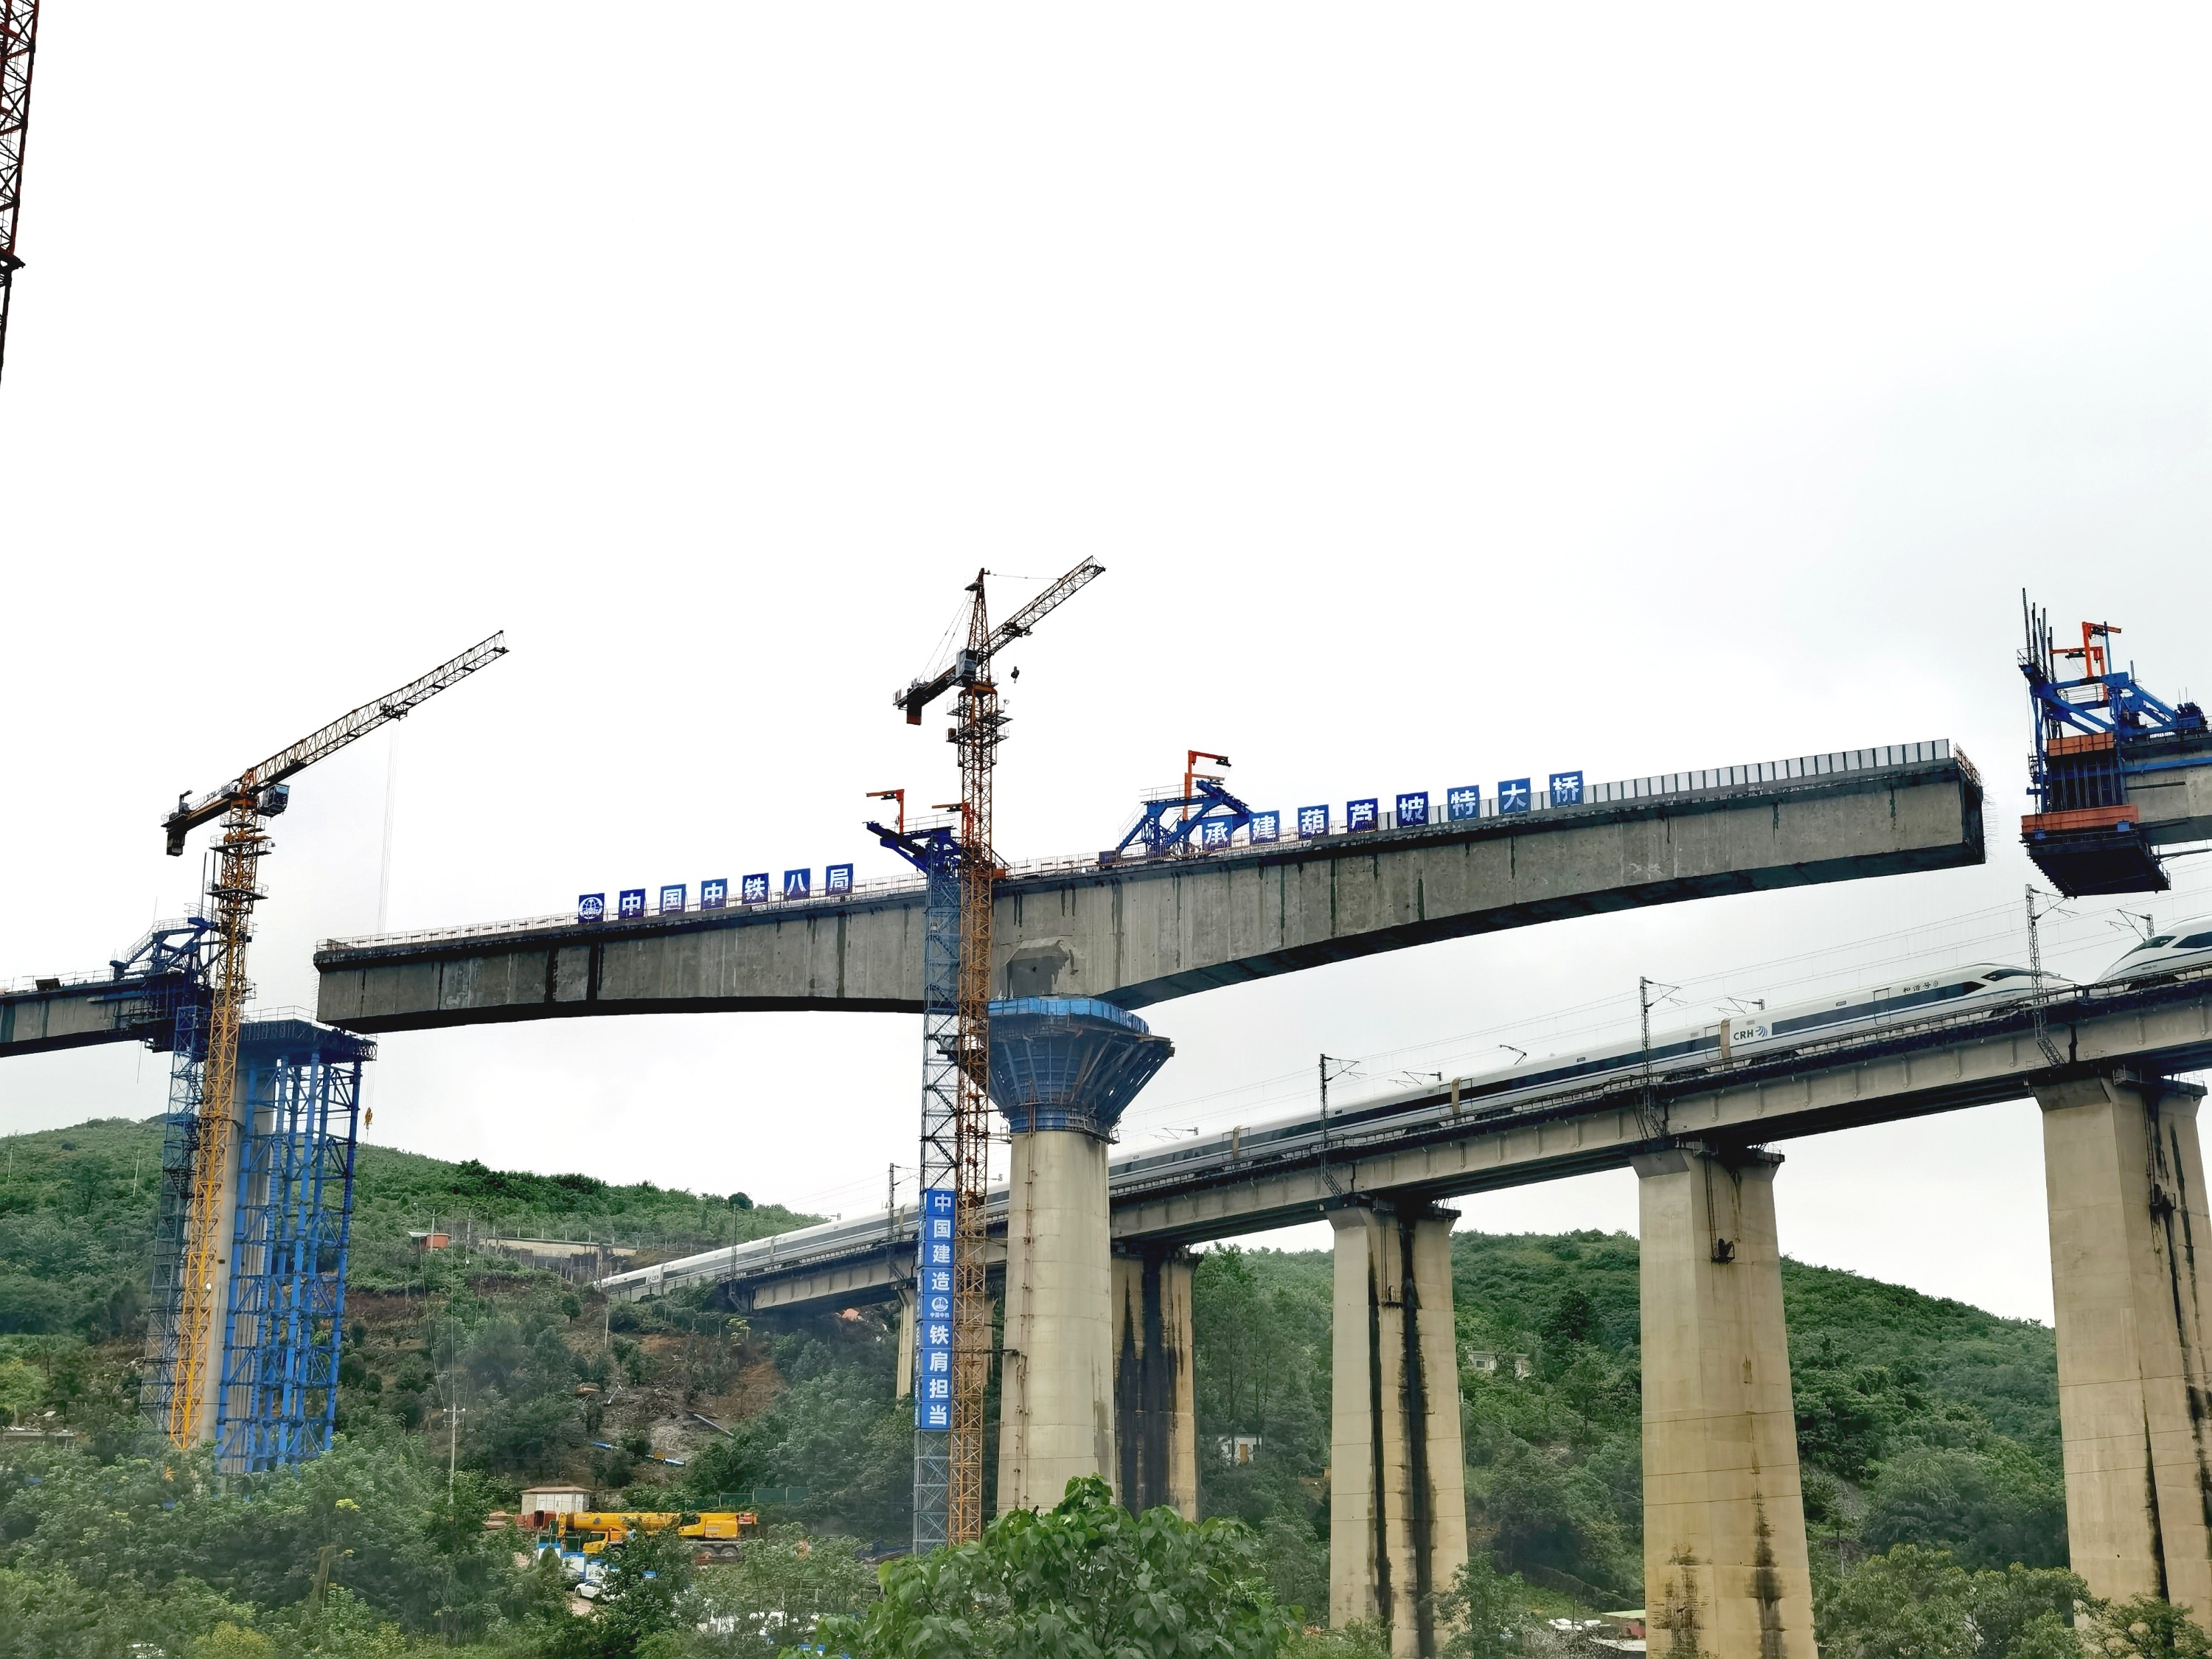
(183, 1340)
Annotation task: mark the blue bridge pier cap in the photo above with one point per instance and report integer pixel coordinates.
(1063, 1069)
(1070, 1062)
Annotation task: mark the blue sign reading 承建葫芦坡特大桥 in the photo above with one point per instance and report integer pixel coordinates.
(714, 894)
(933, 1312)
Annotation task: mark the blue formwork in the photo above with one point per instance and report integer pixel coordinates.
(286, 1307)
(1070, 1062)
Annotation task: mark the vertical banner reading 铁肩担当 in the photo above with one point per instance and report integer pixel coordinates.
(933, 1313)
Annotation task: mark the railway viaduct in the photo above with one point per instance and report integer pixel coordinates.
(1133, 935)
(1725, 1560)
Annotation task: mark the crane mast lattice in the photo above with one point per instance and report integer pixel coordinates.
(977, 731)
(181, 1348)
(19, 41)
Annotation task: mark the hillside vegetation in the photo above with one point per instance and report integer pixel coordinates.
(1923, 1424)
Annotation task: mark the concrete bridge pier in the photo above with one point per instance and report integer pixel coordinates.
(1154, 1401)
(908, 1297)
(1062, 1070)
(1397, 1467)
(1726, 1574)
(2125, 1181)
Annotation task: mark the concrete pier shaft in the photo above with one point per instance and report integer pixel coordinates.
(1155, 1397)
(1397, 1467)
(909, 1298)
(1725, 1573)
(1056, 1385)
(1062, 1070)
(2126, 1182)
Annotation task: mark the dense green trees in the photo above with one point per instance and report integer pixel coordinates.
(1928, 1430)
(835, 1430)
(1086, 1580)
(1916, 1603)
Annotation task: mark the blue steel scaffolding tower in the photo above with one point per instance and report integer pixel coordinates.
(161, 992)
(936, 854)
(284, 1314)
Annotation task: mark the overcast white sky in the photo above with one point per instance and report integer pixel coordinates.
(1451, 393)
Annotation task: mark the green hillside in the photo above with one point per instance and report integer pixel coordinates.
(1919, 1419)
(76, 1215)
(1921, 1422)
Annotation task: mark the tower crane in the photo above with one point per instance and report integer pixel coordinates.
(182, 1344)
(952, 1486)
(19, 39)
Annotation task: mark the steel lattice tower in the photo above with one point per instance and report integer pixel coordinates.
(286, 1309)
(977, 735)
(19, 39)
(940, 1145)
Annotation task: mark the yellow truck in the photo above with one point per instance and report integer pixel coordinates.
(718, 1532)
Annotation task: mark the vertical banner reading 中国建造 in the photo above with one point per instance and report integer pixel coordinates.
(933, 1313)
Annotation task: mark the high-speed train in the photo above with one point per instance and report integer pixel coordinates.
(1745, 1035)
(2189, 945)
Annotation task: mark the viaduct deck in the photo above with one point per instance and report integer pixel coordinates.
(1138, 934)
(73, 1013)
(1420, 1145)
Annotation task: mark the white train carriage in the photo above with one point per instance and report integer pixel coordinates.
(2189, 945)
(1743, 1036)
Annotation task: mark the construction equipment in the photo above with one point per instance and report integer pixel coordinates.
(965, 1166)
(182, 1349)
(19, 41)
(717, 1531)
(1203, 812)
(2094, 732)
(934, 852)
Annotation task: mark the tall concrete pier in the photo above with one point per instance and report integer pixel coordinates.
(2125, 1181)
(1063, 1069)
(1397, 1467)
(1155, 1393)
(1725, 1573)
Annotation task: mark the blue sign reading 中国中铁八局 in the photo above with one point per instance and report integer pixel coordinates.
(631, 902)
(837, 878)
(1266, 827)
(1312, 821)
(753, 888)
(1462, 802)
(1513, 795)
(715, 893)
(592, 907)
(671, 899)
(1363, 814)
(1567, 789)
(1412, 809)
(933, 1313)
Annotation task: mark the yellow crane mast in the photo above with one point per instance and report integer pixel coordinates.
(183, 1341)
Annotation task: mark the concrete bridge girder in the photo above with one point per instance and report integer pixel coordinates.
(66, 1016)
(1141, 934)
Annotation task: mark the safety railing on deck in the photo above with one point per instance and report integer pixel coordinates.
(1658, 785)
